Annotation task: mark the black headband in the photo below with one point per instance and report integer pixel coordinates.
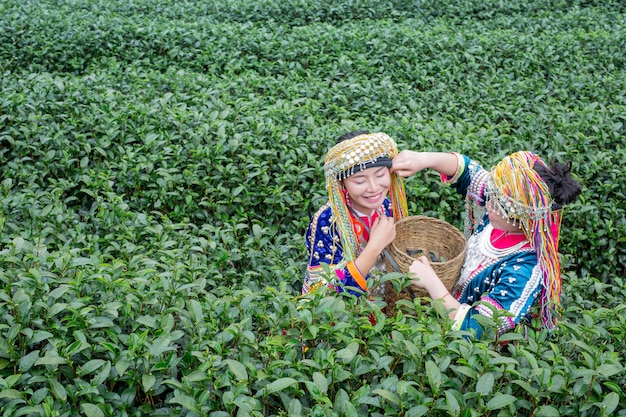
(383, 161)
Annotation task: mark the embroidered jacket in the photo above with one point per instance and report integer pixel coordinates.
(324, 247)
(506, 279)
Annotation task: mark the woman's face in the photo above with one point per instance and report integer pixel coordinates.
(368, 188)
(498, 217)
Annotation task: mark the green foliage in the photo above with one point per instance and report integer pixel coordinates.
(159, 161)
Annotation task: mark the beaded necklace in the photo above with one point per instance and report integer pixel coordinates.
(481, 254)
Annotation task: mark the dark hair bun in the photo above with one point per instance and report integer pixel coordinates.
(563, 188)
(351, 135)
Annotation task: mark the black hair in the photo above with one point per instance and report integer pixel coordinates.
(563, 188)
(351, 135)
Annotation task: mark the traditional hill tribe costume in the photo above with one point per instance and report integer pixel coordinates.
(508, 272)
(337, 233)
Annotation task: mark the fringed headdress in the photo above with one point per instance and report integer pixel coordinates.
(349, 157)
(523, 196)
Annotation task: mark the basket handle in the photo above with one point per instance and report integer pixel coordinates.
(392, 262)
(395, 266)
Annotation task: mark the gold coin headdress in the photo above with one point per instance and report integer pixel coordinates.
(349, 157)
(523, 196)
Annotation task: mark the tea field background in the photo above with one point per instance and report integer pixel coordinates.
(159, 161)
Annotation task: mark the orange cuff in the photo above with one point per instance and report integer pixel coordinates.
(356, 274)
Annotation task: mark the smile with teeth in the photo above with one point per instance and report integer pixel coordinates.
(374, 197)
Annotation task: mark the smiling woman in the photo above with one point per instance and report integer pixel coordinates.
(350, 232)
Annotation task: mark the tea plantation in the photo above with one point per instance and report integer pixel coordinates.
(159, 160)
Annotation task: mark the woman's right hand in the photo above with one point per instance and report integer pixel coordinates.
(383, 231)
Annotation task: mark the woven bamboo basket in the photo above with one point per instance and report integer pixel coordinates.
(436, 239)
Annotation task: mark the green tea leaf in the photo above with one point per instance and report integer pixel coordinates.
(453, 403)
(500, 401)
(547, 411)
(148, 381)
(608, 370)
(91, 410)
(39, 335)
(50, 360)
(238, 369)
(348, 353)
(321, 382)
(10, 394)
(387, 395)
(160, 345)
(81, 261)
(350, 410)
(57, 389)
(485, 383)
(280, 384)
(417, 411)
(26, 362)
(434, 375)
(186, 401)
(91, 366)
(610, 402)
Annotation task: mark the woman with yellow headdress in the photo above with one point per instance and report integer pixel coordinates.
(512, 258)
(350, 232)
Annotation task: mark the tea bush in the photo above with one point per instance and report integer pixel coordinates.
(160, 160)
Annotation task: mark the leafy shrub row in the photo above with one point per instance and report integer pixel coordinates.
(172, 139)
(70, 39)
(144, 335)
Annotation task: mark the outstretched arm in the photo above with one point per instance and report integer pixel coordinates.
(407, 163)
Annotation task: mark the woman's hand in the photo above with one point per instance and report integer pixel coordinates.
(383, 231)
(407, 163)
(425, 276)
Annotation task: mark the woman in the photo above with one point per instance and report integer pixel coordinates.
(512, 258)
(350, 232)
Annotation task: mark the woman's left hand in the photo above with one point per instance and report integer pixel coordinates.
(423, 274)
(407, 163)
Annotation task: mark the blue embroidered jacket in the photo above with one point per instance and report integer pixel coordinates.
(324, 247)
(505, 279)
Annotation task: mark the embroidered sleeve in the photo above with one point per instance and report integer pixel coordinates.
(460, 168)
(469, 180)
(324, 247)
(514, 289)
(459, 317)
(354, 277)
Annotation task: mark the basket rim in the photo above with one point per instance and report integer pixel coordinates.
(453, 229)
(427, 218)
